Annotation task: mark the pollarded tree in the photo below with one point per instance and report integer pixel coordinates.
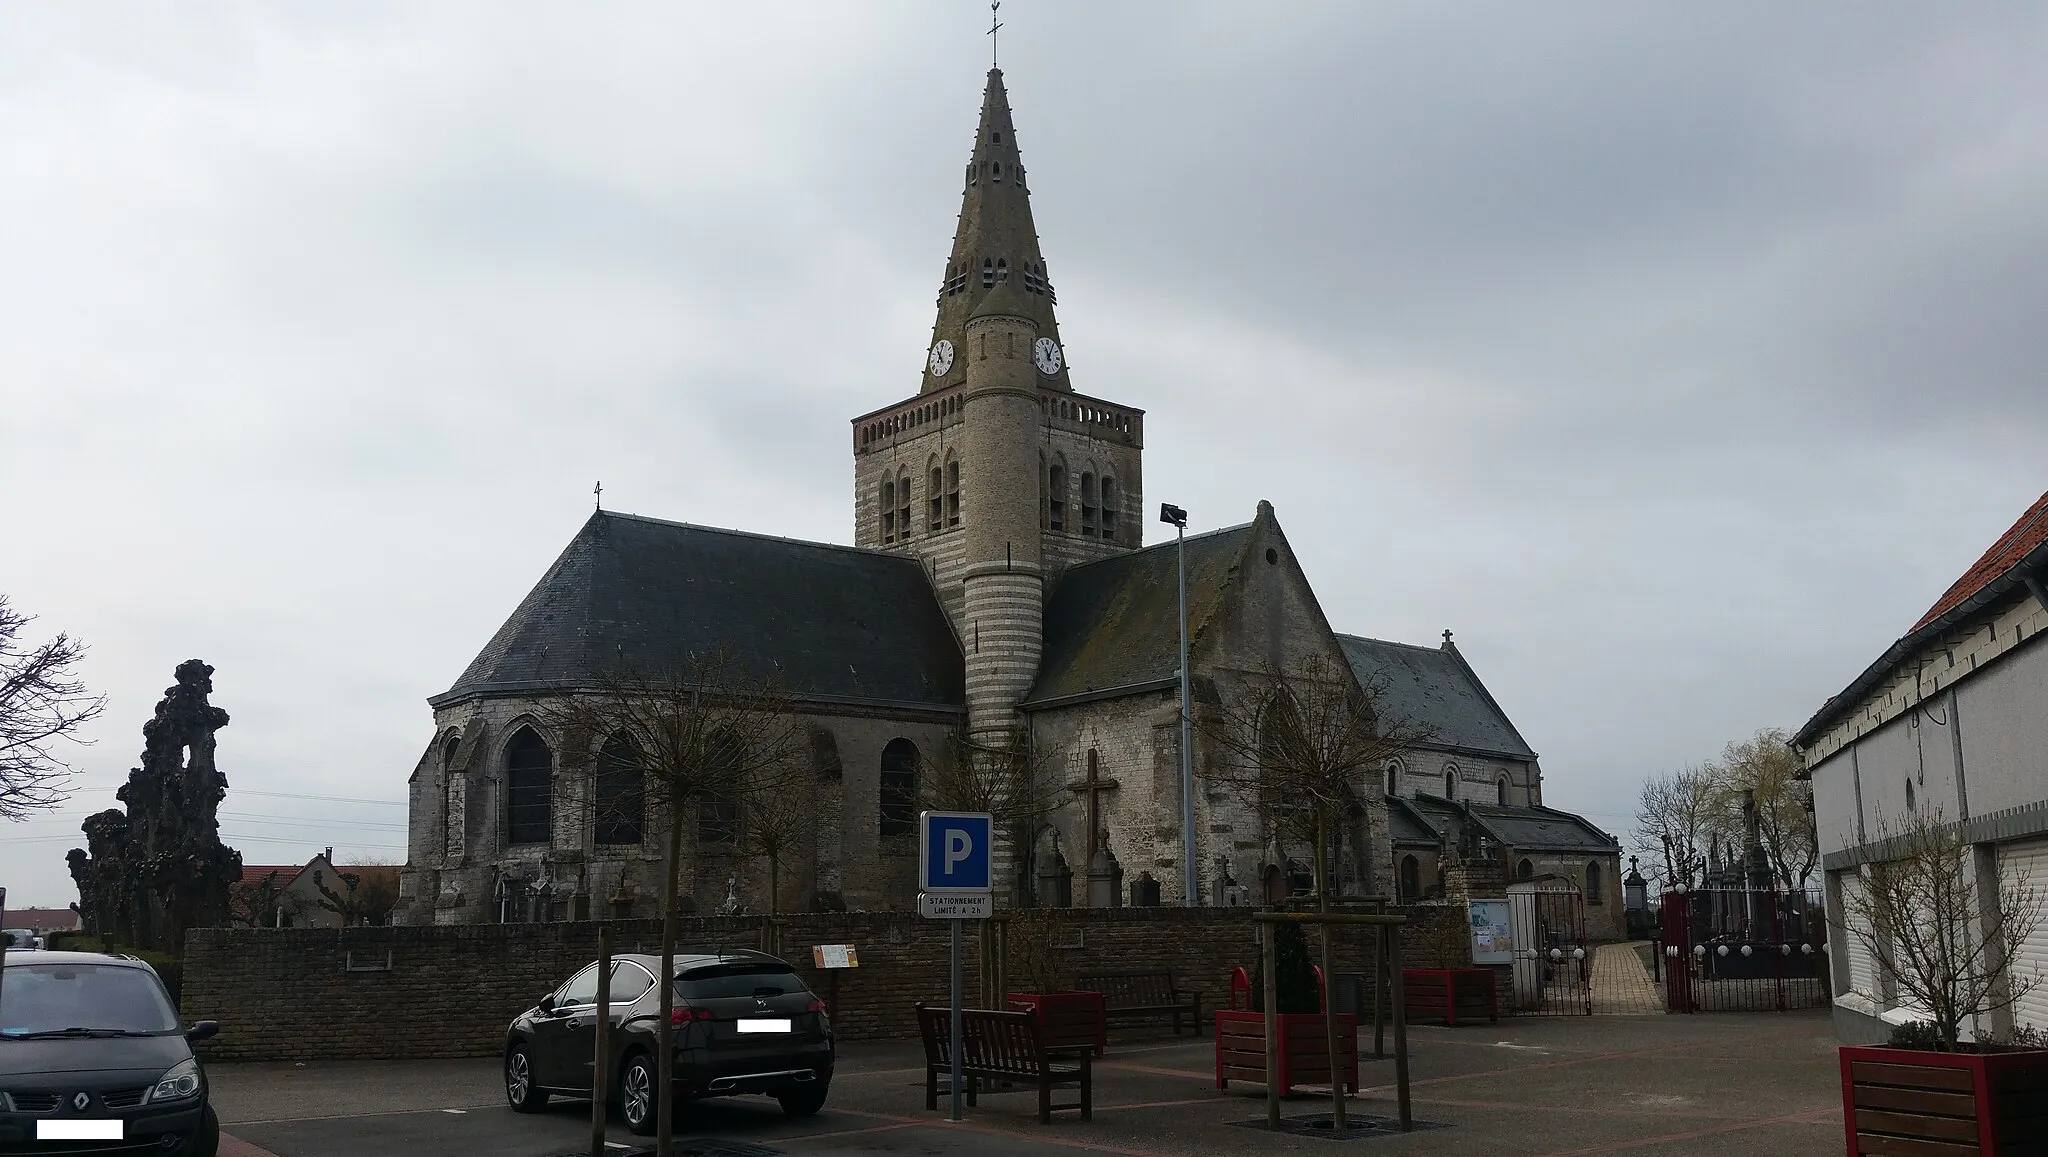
(706, 737)
(1948, 939)
(1766, 768)
(41, 702)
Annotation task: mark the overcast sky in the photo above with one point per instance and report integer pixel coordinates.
(1677, 357)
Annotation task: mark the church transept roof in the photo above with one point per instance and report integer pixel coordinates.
(831, 623)
(1436, 689)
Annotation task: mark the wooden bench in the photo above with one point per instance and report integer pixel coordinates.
(1145, 994)
(1003, 1046)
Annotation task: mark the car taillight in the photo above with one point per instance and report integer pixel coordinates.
(816, 1005)
(683, 1016)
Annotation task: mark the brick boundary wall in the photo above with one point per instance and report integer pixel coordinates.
(451, 990)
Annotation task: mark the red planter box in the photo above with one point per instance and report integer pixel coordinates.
(1907, 1101)
(1068, 1020)
(1304, 1049)
(1449, 994)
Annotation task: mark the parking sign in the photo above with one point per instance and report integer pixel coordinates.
(953, 851)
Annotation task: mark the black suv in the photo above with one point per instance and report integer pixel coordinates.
(93, 1060)
(744, 1023)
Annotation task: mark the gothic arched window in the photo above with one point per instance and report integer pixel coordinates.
(903, 504)
(621, 791)
(1525, 871)
(1056, 496)
(936, 498)
(953, 493)
(1002, 263)
(529, 789)
(1087, 503)
(888, 510)
(1393, 779)
(1593, 895)
(718, 809)
(1450, 782)
(1411, 879)
(899, 788)
(1501, 789)
(448, 817)
(1109, 507)
(988, 272)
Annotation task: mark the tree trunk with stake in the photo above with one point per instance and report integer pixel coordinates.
(1329, 977)
(600, 1078)
(665, 1064)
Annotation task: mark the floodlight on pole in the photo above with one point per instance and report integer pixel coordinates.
(1190, 886)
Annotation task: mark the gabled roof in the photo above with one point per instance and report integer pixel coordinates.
(831, 623)
(1434, 688)
(1109, 624)
(1407, 826)
(1527, 829)
(41, 919)
(2018, 558)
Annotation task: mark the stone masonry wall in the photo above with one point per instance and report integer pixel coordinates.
(451, 990)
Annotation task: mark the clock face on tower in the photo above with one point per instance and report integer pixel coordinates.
(1046, 352)
(942, 358)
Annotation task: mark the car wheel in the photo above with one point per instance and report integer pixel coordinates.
(524, 1095)
(804, 1100)
(636, 1095)
(204, 1142)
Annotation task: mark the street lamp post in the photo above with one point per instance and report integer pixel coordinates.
(1179, 519)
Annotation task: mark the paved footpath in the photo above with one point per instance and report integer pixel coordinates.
(1756, 1085)
(1621, 985)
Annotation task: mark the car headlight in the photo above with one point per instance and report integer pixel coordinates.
(178, 1082)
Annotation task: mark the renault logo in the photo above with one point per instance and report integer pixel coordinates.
(81, 1102)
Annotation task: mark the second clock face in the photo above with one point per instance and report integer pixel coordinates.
(1046, 352)
(942, 358)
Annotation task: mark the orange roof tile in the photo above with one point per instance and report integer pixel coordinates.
(2026, 535)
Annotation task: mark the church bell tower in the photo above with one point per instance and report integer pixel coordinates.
(996, 473)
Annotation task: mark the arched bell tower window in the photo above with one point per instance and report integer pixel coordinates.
(1087, 503)
(1056, 496)
(1109, 504)
(529, 789)
(953, 492)
(888, 510)
(936, 498)
(1002, 264)
(899, 788)
(988, 272)
(903, 523)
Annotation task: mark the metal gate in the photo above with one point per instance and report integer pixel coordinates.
(1742, 949)
(1551, 959)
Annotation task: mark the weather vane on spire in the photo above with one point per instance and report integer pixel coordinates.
(993, 24)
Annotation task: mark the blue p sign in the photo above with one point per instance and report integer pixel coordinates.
(953, 852)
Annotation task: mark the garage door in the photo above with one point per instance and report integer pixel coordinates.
(2030, 860)
(1862, 964)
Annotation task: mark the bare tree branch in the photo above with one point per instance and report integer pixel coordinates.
(41, 702)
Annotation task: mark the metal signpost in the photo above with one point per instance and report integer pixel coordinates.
(953, 878)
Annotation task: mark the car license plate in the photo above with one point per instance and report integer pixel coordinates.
(765, 1024)
(78, 1130)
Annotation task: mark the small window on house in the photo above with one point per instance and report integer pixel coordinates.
(953, 493)
(1087, 503)
(1501, 790)
(1593, 893)
(899, 788)
(903, 522)
(1056, 497)
(1109, 505)
(888, 510)
(937, 495)
(988, 272)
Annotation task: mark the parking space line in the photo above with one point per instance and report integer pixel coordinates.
(1810, 1117)
(837, 1133)
(994, 1131)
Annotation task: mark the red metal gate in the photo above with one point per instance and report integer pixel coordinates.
(1742, 949)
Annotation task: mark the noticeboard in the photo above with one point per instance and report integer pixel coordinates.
(1493, 938)
(834, 956)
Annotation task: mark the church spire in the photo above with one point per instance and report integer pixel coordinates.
(995, 245)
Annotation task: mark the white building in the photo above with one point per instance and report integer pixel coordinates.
(1952, 718)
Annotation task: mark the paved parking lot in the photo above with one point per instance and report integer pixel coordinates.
(1749, 1084)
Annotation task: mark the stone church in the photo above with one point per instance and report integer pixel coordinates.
(998, 581)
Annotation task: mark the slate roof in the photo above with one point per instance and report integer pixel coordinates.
(832, 623)
(1109, 624)
(2020, 555)
(1528, 829)
(1435, 688)
(1408, 827)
